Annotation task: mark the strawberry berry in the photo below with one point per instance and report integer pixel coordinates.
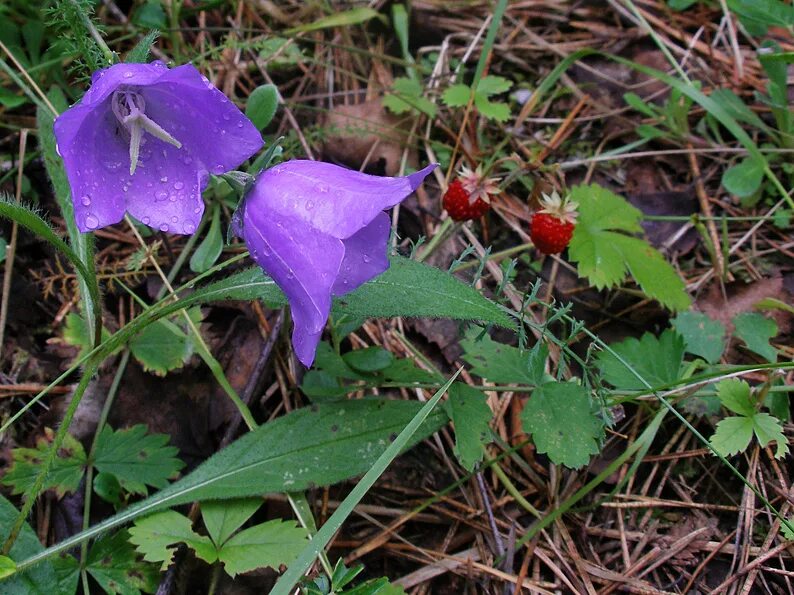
(551, 227)
(469, 195)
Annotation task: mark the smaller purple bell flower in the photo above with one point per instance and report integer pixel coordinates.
(143, 140)
(319, 231)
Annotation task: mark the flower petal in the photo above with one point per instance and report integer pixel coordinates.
(304, 263)
(202, 118)
(97, 165)
(332, 199)
(107, 80)
(165, 191)
(365, 255)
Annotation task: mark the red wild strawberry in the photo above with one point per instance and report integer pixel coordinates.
(469, 195)
(552, 226)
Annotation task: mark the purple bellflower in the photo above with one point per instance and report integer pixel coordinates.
(143, 139)
(319, 231)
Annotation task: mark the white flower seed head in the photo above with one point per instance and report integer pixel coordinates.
(562, 208)
(477, 186)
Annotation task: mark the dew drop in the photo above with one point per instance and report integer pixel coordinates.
(145, 220)
(218, 169)
(91, 222)
(239, 125)
(179, 185)
(367, 258)
(86, 200)
(189, 228)
(164, 227)
(322, 188)
(172, 198)
(164, 179)
(197, 210)
(161, 195)
(174, 219)
(128, 74)
(309, 205)
(227, 117)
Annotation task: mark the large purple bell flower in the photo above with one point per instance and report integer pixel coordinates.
(319, 231)
(143, 140)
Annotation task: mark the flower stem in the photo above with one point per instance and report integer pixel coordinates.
(92, 30)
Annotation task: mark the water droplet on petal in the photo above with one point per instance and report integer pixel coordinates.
(227, 117)
(179, 185)
(174, 219)
(309, 205)
(128, 74)
(172, 198)
(197, 210)
(239, 125)
(145, 220)
(91, 222)
(86, 200)
(164, 227)
(367, 258)
(218, 169)
(161, 195)
(164, 179)
(189, 228)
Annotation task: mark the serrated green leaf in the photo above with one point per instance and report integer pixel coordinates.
(456, 95)
(371, 359)
(768, 429)
(493, 110)
(161, 347)
(503, 364)
(211, 246)
(37, 580)
(75, 332)
(733, 435)
(493, 85)
(113, 563)
(703, 336)
(604, 253)
(559, 417)
(657, 360)
(469, 411)
(64, 476)
(136, 459)
(406, 95)
(223, 517)
(262, 105)
(156, 537)
(412, 289)
(756, 330)
(744, 179)
(270, 544)
(735, 396)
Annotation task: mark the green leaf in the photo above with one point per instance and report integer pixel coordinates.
(223, 517)
(107, 487)
(456, 95)
(136, 459)
(605, 254)
(150, 16)
(262, 105)
(11, 100)
(735, 396)
(7, 567)
(156, 537)
(559, 417)
(140, 53)
(703, 336)
(734, 105)
(636, 102)
(371, 359)
(412, 289)
(161, 347)
(493, 110)
(270, 544)
(768, 429)
(503, 364)
(657, 360)
(407, 94)
(758, 15)
(680, 5)
(345, 18)
(744, 179)
(756, 330)
(733, 435)
(211, 246)
(787, 529)
(469, 411)
(64, 476)
(75, 332)
(113, 563)
(493, 85)
(37, 580)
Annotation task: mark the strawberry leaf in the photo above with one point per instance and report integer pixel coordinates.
(270, 544)
(407, 95)
(733, 435)
(735, 396)
(470, 414)
(457, 95)
(113, 562)
(493, 85)
(657, 360)
(156, 537)
(703, 336)
(65, 474)
(500, 363)
(756, 330)
(605, 252)
(560, 419)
